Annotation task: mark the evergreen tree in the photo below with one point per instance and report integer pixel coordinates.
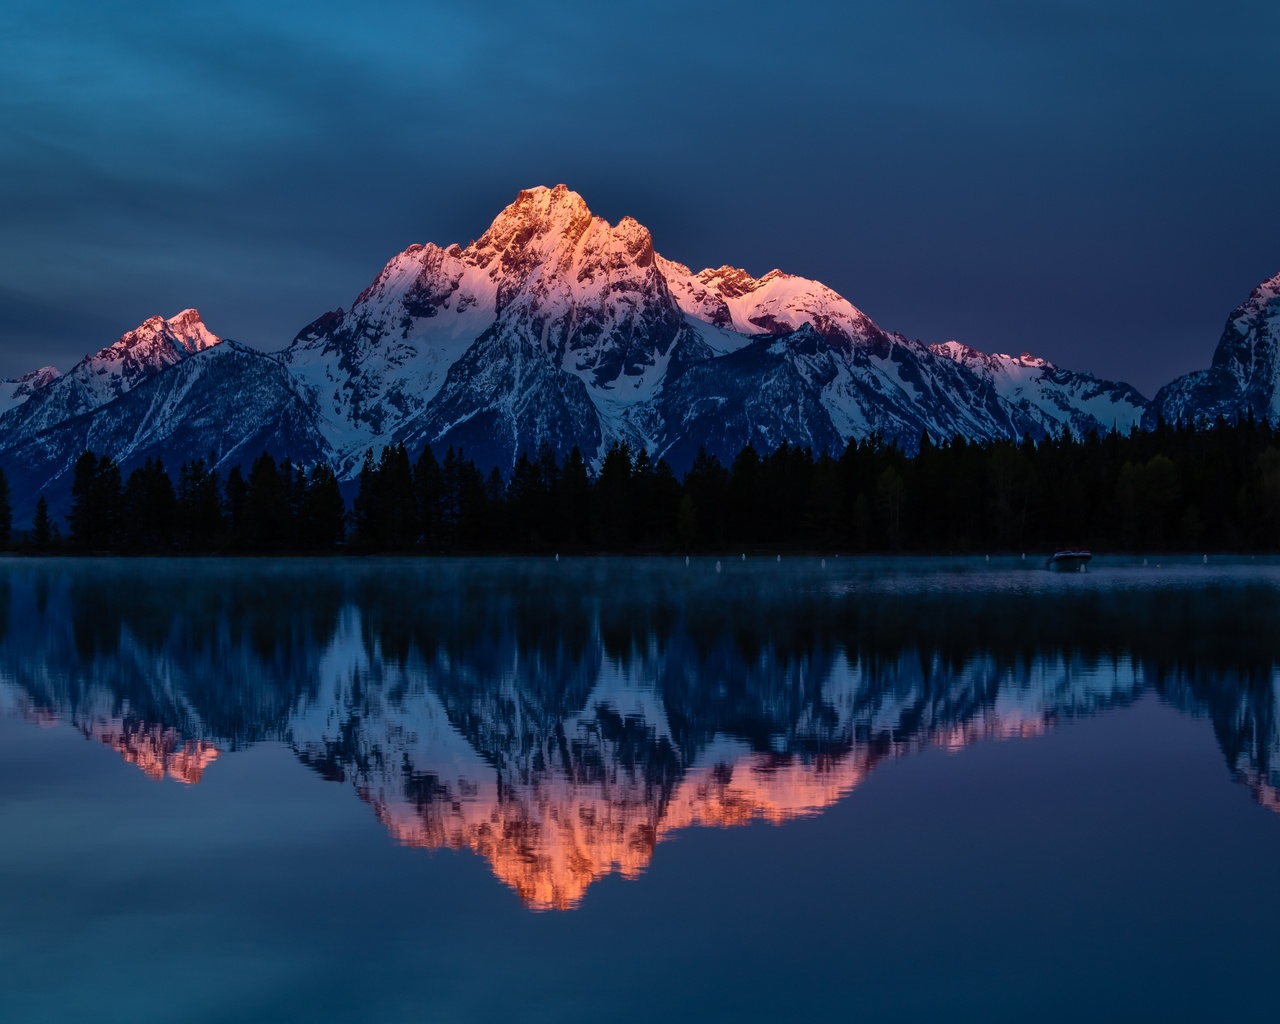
(268, 524)
(473, 523)
(664, 504)
(81, 519)
(522, 501)
(428, 485)
(397, 514)
(452, 498)
(615, 498)
(574, 500)
(323, 511)
(548, 527)
(366, 510)
(708, 483)
(234, 496)
(41, 525)
(95, 502)
(824, 505)
(744, 526)
(687, 522)
(6, 512)
(890, 497)
(149, 508)
(199, 505)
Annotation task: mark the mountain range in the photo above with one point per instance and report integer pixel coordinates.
(557, 326)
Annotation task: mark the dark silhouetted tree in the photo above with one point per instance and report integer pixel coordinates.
(234, 496)
(323, 521)
(95, 502)
(41, 525)
(149, 506)
(428, 485)
(199, 505)
(6, 512)
(268, 525)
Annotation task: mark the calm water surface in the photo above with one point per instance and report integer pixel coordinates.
(635, 790)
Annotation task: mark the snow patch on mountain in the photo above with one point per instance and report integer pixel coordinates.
(777, 303)
(1053, 398)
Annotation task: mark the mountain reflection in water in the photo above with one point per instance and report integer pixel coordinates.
(562, 719)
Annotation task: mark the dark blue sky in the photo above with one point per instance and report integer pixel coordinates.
(1089, 180)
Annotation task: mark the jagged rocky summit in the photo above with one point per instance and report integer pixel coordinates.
(553, 326)
(1245, 374)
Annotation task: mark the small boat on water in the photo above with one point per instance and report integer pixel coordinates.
(1068, 561)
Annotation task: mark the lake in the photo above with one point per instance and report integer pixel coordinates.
(638, 789)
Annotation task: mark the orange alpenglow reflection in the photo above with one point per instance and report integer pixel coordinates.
(550, 840)
(551, 843)
(1263, 791)
(157, 750)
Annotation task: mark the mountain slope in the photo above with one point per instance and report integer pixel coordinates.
(148, 349)
(547, 279)
(1245, 373)
(230, 400)
(1052, 397)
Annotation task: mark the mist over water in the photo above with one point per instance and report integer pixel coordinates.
(569, 788)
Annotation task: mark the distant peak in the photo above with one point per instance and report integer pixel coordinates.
(39, 378)
(730, 282)
(542, 204)
(185, 331)
(186, 320)
(190, 331)
(1268, 289)
(957, 351)
(31, 382)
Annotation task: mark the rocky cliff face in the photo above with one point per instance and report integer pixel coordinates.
(1245, 374)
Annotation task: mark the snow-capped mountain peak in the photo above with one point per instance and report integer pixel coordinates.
(153, 346)
(548, 283)
(1245, 373)
(156, 341)
(1051, 397)
(25, 386)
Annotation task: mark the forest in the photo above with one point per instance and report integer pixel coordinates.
(1174, 488)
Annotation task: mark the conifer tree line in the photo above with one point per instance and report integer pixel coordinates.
(1173, 488)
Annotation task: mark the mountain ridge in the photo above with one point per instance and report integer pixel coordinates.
(555, 325)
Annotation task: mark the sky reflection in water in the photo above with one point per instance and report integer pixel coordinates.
(563, 721)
